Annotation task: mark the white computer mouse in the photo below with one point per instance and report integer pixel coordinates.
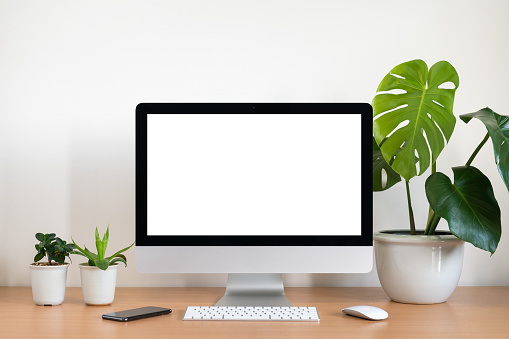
(366, 312)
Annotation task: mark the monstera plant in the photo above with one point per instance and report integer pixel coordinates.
(413, 121)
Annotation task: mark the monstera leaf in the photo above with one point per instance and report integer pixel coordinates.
(498, 129)
(468, 205)
(380, 166)
(413, 111)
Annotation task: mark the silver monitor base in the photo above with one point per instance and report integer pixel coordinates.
(254, 289)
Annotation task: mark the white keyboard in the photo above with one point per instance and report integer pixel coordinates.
(251, 313)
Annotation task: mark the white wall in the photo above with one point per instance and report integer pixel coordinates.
(71, 74)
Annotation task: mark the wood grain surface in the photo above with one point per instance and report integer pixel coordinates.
(471, 312)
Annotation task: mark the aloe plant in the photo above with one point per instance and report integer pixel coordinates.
(413, 121)
(99, 259)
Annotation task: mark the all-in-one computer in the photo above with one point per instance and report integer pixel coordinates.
(253, 190)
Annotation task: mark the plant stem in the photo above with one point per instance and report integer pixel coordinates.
(433, 224)
(431, 213)
(477, 149)
(431, 216)
(410, 211)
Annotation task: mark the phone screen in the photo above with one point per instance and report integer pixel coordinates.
(137, 313)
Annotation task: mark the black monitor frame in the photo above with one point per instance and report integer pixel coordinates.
(142, 111)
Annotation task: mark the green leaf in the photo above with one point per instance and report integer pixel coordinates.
(60, 258)
(118, 256)
(39, 236)
(39, 256)
(468, 205)
(50, 236)
(106, 237)
(69, 247)
(423, 105)
(92, 255)
(102, 264)
(119, 260)
(104, 241)
(85, 252)
(79, 253)
(97, 238)
(50, 249)
(99, 244)
(379, 166)
(77, 247)
(498, 129)
(122, 250)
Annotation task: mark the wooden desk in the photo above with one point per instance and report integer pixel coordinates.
(472, 312)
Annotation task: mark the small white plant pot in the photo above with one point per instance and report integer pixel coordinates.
(48, 284)
(418, 269)
(98, 286)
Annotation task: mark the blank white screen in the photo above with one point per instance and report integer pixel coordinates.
(254, 174)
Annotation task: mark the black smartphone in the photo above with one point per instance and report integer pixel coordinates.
(136, 313)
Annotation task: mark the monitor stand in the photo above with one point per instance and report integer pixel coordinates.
(254, 289)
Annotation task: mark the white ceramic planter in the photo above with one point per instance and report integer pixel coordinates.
(48, 284)
(418, 269)
(98, 286)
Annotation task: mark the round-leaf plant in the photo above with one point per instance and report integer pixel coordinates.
(99, 259)
(52, 247)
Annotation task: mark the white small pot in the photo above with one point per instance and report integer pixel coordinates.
(98, 286)
(48, 284)
(418, 269)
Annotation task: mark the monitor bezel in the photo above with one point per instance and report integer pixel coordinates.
(144, 109)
